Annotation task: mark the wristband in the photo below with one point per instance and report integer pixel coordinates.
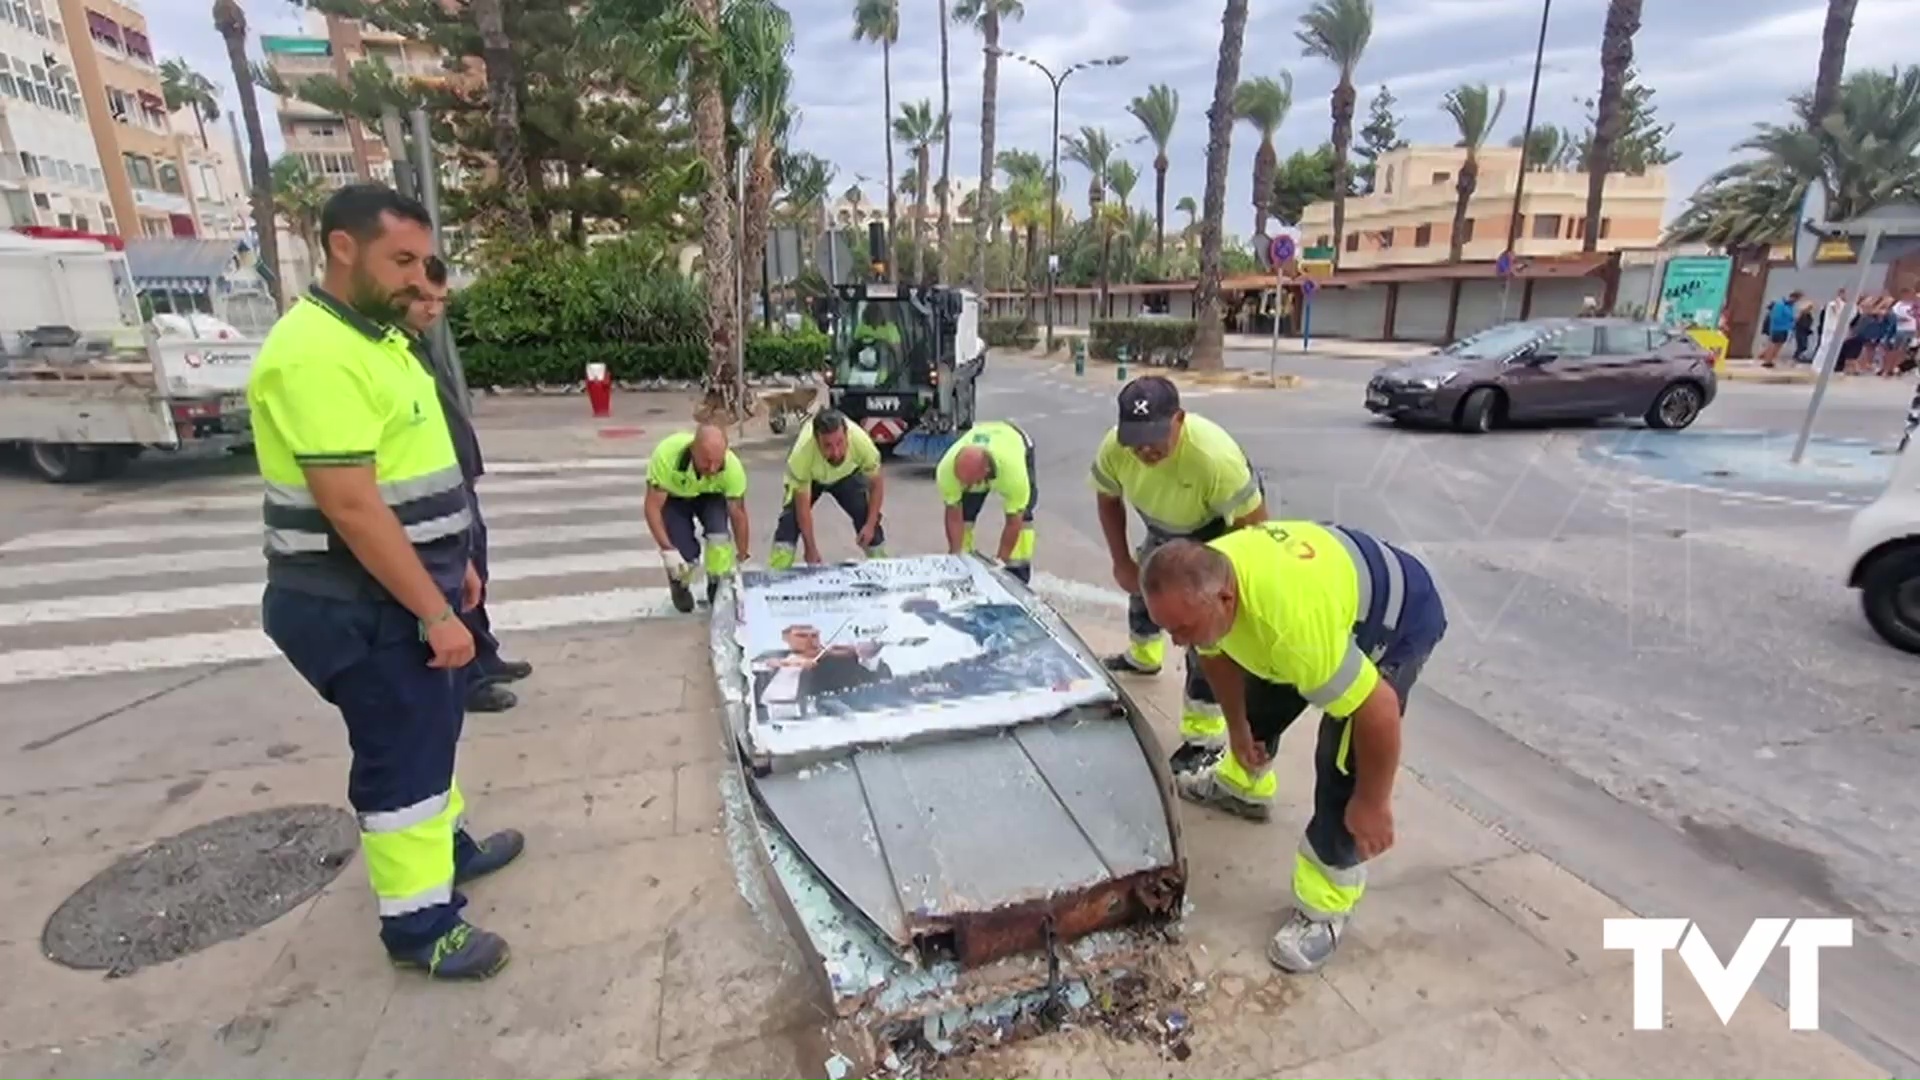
(436, 620)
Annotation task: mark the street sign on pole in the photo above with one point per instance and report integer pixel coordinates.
(1504, 264)
(1281, 249)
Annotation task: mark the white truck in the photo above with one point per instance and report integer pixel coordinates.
(86, 385)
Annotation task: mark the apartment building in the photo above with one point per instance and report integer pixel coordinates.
(1408, 221)
(119, 80)
(209, 155)
(338, 150)
(50, 172)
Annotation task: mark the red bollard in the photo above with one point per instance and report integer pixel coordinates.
(600, 390)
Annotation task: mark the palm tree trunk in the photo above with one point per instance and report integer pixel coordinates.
(1833, 56)
(753, 233)
(946, 143)
(1209, 335)
(1343, 99)
(1033, 245)
(1469, 180)
(1263, 166)
(1106, 255)
(984, 208)
(893, 199)
(259, 170)
(200, 122)
(1160, 206)
(923, 164)
(1616, 57)
(503, 111)
(716, 211)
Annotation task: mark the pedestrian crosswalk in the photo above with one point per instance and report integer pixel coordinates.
(168, 581)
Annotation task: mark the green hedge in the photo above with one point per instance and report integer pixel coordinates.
(544, 317)
(1015, 332)
(1149, 342)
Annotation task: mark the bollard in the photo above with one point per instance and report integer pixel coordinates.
(1079, 357)
(599, 390)
(1120, 372)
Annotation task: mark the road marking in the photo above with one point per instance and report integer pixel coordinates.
(1081, 593)
(245, 594)
(1737, 495)
(247, 556)
(247, 501)
(147, 534)
(228, 646)
(613, 464)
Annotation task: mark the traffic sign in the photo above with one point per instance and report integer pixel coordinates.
(1282, 249)
(1308, 287)
(1504, 264)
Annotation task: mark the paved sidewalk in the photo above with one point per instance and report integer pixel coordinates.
(635, 954)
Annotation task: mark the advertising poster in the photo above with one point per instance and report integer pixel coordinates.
(882, 650)
(1694, 291)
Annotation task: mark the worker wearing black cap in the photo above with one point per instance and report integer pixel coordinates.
(1186, 478)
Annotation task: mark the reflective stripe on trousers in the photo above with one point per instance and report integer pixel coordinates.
(409, 852)
(1325, 892)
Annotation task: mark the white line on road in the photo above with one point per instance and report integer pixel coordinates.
(228, 646)
(1068, 591)
(147, 534)
(1737, 495)
(204, 504)
(248, 556)
(240, 594)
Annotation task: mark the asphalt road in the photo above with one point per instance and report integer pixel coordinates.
(1692, 649)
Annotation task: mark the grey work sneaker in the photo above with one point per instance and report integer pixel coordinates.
(1124, 664)
(1206, 789)
(1303, 944)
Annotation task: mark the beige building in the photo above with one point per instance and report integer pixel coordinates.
(1409, 220)
(210, 163)
(119, 81)
(338, 150)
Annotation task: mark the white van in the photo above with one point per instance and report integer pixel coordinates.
(1883, 554)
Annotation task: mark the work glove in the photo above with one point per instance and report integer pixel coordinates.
(675, 563)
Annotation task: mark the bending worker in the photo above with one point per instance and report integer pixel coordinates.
(693, 480)
(367, 524)
(1185, 477)
(1285, 615)
(994, 457)
(831, 457)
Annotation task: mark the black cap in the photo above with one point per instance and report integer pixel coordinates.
(1147, 408)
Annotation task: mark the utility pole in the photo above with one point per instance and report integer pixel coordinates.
(1526, 142)
(1053, 180)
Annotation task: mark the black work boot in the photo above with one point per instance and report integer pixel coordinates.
(464, 953)
(491, 697)
(713, 589)
(682, 596)
(491, 854)
(508, 670)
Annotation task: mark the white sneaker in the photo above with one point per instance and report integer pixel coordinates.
(1303, 944)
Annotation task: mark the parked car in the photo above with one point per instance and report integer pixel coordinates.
(1551, 369)
(1883, 555)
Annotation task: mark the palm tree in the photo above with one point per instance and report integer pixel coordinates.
(758, 35)
(231, 21)
(1157, 111)
(879, 20)
(946, 136)
(920, 131)
(1264, 102)
(1869, 156)
(1833, 57)
(298, 197)
(706, 70)
(806, 181)
(1187, 206)
(1121, 177)
(503, 110)
(1091, 150)
(185, 88)
(1337, 31)
(1475, 110)
(1616, 64)
(986, 16)
(1028, 201)
(1208, 336)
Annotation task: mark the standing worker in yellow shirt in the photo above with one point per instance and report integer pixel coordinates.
(367, 521)
(831, 457)
(694, 481)
(1186, 478)
(991, 457)
(1289, 614)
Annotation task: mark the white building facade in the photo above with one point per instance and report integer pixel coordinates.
(49, 163)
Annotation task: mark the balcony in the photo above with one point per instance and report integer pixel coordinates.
(293, 67)
(161, 201)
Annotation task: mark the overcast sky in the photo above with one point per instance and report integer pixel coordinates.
(1717, 68)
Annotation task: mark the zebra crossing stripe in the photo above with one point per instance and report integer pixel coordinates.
(208, 504)
(231, 646)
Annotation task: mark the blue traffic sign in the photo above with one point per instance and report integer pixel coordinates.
(1281, 249)
(1308, 287)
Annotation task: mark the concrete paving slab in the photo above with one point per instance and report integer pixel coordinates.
(1431, 948)
(564, 901)
(697, 802)
(795, 1053)
(1480, 1043)
(572, 816)
(726, 976)
(337, 949)
(107, 818)
(237, 791)
(1554, 908)
(1588, 1028)
(551, 1013)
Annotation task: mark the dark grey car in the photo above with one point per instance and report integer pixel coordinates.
(1551, 369)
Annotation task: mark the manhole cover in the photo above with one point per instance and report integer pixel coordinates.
(209, 884)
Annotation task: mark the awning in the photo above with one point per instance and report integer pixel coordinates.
(152, 102)
(178, 265)
(137, 44)
(103, 26)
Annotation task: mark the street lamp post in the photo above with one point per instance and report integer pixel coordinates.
(1526, 145)
(1053, 179)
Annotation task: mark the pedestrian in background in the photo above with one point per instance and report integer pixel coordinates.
(1780, 318)
(1803, 333)
(487, 673)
